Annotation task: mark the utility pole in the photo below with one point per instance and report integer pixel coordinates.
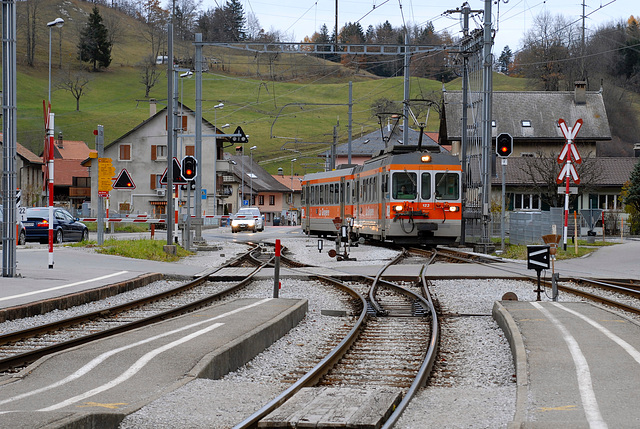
(469, 46)
(487, 89)
(170, 128)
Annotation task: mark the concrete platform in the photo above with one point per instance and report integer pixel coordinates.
(577, 365)
(97, 384)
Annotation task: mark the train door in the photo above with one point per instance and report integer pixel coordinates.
(379, 199)
(341, 196)
(306, 207)
(355, 192)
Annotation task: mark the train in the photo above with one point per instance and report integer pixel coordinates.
(404, 195)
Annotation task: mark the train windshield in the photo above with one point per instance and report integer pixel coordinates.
(447, 186)
(404, 186)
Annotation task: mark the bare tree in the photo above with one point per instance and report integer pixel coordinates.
(29, 22)
(548, 46)
(149, 74)
(541, 172)
(154, 32)
(76, 83)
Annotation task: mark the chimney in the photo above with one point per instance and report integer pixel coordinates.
(636, 150)
(152, 107)
(580, 92)
(60, 141)
(280, 171)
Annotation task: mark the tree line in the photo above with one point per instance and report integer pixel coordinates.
(555, 55)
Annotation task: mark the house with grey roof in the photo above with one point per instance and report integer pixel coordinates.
(258, 188)
(532, 119)
(142, 153)
(371, 144)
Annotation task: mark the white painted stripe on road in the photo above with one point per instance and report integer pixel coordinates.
(583, 374)
(635, 354)
(35, 292)
(133, 369)
(102, 357)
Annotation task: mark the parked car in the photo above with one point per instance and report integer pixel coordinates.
(22, 234)
(247, 218)
(65, 226)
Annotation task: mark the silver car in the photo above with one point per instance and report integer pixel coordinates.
(247, 218)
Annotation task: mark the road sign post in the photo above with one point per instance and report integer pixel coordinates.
(538, 259)
(569, 152)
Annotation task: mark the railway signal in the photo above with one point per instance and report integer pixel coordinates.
(504, 144)
(189, 167)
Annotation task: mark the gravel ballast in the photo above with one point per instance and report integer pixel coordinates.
(473, 386)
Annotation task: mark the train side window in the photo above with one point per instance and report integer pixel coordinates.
(425, 186)
(404, 185)
(447, 186)
(347, 193)
(331, 193)
(321, 195)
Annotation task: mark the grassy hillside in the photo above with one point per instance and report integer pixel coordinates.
(282, 101)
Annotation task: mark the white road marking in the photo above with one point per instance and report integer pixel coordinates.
(35, 292)
(613, 337)
(102, 357)
(133, 369)
(589, 402)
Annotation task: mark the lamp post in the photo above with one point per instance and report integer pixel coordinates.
(251, 183)
(58, 22)
(215, 157)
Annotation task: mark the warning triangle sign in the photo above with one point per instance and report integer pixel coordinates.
(240, 136)
(177, 174)
(124, 181)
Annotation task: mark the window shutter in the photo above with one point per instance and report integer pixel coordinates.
(154, 153)
(184, 123)
(153, 182)
(190, 150)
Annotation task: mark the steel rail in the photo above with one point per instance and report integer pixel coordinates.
(597, 298)
(318, 371)
(374, 287)
(427, 365)
(31, 356)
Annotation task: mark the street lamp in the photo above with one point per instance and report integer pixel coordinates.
(251, 185)
(58, 22)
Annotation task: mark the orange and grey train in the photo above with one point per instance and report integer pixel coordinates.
(404, 195)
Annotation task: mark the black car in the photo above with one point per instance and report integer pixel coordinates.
(20, 230)
(65, 226)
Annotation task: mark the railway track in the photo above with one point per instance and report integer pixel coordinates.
(22, 347)
(391, 345)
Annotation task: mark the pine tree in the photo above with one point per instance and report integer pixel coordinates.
(94, 46)
(633, 190)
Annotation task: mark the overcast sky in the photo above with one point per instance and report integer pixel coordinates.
(302, 17)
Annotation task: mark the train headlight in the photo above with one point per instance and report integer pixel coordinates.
(426, 158)
(454, 208)
(398, 208)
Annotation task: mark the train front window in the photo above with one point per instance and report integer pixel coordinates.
(425, 186)
(404, 186)
(447, 186)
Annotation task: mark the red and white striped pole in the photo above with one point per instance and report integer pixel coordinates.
(50, 153)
